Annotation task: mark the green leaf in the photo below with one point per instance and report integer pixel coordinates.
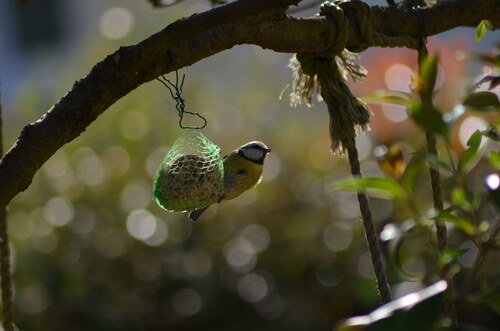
(413, 312)
(428, 75)
(461, 223)
(471, 155)
(481, 29)
(413, 171)
(379, 187)
(483, 101)
(393, 97)
(460, 199)
(428, 118)
(494, 159)
(450, 254)
(475, 200)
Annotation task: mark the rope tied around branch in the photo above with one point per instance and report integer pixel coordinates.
(372, 38)
(326, 74)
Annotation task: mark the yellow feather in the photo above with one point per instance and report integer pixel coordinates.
(240, 175)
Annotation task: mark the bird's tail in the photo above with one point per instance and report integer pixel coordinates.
(195, 214)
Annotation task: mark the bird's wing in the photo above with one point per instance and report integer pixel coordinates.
(235, 184)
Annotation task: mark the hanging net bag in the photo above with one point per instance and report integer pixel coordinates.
(191, 175)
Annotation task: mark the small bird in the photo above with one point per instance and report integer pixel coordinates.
(242, 171)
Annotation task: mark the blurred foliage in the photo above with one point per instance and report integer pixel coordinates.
(471, 210)
(92, 251)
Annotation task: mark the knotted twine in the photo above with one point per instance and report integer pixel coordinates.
(326, 74)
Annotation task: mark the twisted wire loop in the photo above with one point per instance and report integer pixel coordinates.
(176, 94)
(325, 74)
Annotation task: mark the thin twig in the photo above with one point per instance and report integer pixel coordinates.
(437, 197)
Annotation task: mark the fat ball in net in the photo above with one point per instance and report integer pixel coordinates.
(191, 175)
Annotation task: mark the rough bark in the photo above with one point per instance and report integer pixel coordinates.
(186, 41)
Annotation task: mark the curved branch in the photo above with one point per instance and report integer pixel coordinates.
(186, 41)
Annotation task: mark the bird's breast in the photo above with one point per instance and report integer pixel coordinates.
(239, 176)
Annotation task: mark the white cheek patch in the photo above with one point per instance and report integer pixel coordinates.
(252, 154)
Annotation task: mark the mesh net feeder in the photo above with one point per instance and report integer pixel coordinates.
(191, 175)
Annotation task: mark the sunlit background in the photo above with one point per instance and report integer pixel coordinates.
(91, 249)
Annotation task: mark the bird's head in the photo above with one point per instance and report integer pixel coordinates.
(254, 151)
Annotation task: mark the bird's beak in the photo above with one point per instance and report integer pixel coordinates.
(268, 150)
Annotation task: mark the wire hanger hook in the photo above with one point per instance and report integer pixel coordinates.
(176, 94)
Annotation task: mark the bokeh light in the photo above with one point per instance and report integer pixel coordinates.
(33, 299)
(257, 236)
(187, 302)
(398, 77)
(252, 288)
(135, 195)
(116, 160)
(134, 125)
(240, 254)
(160, 234)
(394, 113)
(493, 181)
(337, 236)
(89, 168)
(197, 263)
(271, 307)
(58, 211)
(141, 224)
(116, 23)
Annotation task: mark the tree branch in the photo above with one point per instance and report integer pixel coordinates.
(189, 40)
